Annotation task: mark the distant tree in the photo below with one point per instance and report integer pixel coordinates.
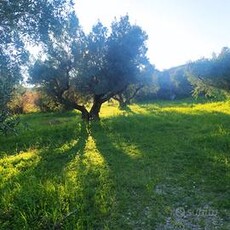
(182, 87)
(143, 82)
(168, 84)
(24, 100)
(46, 103)
(124, 98)
(208, 74)
(165, 84)
(94, 68)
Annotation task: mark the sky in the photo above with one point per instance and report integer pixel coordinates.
(179, 30)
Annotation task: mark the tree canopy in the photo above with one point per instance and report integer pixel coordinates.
(212, 73)
(22, 22)
(82, 68)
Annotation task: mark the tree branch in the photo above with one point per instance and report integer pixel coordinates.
(135, 92)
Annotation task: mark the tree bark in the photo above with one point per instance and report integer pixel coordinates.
(120, 100)
(74, 105)
(84, 112)
(123, 105)
(135, 93)
(95, 110)
(124, 100)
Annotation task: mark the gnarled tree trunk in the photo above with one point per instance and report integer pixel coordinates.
(95, 110)
(93, 114)
(83, 110)
(121, 100)
(85, 114)
(124, 99)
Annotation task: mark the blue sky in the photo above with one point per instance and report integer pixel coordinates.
(179, 30)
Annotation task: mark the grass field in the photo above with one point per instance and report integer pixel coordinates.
(154, 166)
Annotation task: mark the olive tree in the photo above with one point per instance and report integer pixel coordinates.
(21, 23)
(210, 74)
(93, 68)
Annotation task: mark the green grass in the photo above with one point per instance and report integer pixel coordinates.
(154, 166)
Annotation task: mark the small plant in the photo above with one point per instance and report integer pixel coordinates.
(8, 122)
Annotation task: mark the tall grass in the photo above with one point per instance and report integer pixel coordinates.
(154, 166)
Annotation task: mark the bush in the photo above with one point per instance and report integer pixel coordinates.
(46, 104)
(24, 101)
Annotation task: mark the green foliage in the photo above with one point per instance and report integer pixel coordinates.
(147, 93)
(173, 84)
(131, 171)
(46, 103)
(144, 83)
(166, 89)
(208, 74)
(22, 22)
(52, 76)
(182, 85)
(83, 68)
(35, 18)
(24, 100)
(205, 90)
(7, 122)
(10, 75)
(126, 53)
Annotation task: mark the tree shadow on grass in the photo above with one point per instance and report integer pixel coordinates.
(184, 156)
(54, 160)
(69, 187)
(35, 193)
(126, 173)
(43, 131)
(131, 178)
